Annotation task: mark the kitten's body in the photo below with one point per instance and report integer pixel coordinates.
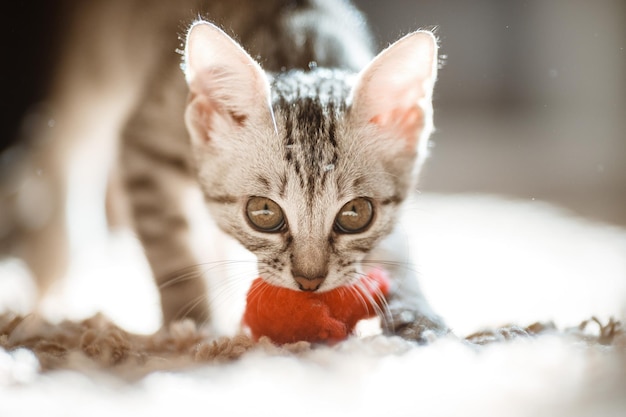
(308, 146)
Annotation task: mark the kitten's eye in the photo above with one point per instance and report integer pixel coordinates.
(355, 216)
(265, 215)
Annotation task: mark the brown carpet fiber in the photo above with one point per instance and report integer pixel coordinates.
(99, 343)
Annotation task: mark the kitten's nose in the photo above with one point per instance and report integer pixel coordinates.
(309, 284)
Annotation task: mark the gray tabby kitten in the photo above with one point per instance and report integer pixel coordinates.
(306, 162)
(307, 169)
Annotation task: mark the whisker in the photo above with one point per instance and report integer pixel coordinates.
(359, 294)
(376, 298)
(407, 266)
(231, 288)
(262, 292)
(190, 305)
(224, 292)
(192, 272)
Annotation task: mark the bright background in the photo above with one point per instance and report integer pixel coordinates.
(531, 101)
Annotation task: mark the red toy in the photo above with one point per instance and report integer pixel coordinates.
(287, 316)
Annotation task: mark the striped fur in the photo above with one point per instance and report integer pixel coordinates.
(301, 135)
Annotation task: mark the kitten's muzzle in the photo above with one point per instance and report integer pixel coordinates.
(309, 284)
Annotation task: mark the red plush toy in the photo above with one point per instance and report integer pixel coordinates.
(287, 316)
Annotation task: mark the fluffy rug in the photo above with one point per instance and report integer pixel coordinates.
(95, 368)
(484, 262)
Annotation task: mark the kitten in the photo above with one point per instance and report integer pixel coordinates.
(306, 162)
(308, 169)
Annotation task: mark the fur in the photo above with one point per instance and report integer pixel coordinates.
(291, 104)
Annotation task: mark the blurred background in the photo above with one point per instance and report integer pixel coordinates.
(531, 99)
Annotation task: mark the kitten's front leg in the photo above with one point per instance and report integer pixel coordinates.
(159, 182)
(409, 315)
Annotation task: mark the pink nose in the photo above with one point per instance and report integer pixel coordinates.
(309, 284)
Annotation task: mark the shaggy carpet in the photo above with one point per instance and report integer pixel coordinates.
(483, 262)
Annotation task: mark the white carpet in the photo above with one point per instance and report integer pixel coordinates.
(483, 261)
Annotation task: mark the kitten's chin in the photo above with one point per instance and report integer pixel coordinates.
(328, 284)
(332, 283)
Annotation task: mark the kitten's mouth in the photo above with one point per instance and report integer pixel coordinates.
(309, 284)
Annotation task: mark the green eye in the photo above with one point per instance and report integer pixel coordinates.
(265, 215)
(355, 216)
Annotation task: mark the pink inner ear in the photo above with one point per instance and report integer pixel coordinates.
(201, 117)
(208, 117)
(406, 123)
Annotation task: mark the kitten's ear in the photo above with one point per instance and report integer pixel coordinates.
(394, 91)
(228, 89)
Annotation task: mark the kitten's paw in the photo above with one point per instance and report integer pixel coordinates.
(412, 325)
